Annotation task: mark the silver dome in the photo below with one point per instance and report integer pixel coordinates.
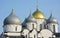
(52, 19)
(31, 18)
(12, 19)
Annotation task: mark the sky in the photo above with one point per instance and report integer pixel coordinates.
(22, 9)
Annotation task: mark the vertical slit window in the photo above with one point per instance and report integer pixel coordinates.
(40, 26)
(16, 28)
(33, 26)
(54, 28)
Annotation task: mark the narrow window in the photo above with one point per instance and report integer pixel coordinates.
(34, 36)
(54, 28)
(42, 37)
(47, 26)
(26, 36)
(40, 26)
(16, 28)
(44, 26)
(33, 26)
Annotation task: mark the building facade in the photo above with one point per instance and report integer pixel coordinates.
(34, 26)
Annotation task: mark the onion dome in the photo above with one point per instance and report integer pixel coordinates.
(30, 18)
(12, 19)
(52, 19)
(38, 14)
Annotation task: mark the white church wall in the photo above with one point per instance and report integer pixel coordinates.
(33, 34)
(12, 28)
(12, 34)
(19, 28)
(39, 35)
(31, 25)
(25, 32)
(56, 27)
(50, 27)
(40, 24)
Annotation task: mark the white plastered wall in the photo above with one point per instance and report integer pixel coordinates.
(50, 27)
(30, 25)
(12, 28)
(40, 21)
(34, 32)
(25, 32)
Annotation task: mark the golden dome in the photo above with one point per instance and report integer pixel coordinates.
(38, 14)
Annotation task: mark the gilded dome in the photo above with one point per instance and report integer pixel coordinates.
(38, 14)
(12, 19)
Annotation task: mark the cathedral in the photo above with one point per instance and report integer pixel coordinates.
(34, 26)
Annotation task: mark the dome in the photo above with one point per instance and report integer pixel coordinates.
(12, 19)
(30, 18)
(52, 19)
(38, 14)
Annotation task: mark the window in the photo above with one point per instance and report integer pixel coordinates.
(33, 26)
(47, 26)
(42, 37)
(54, 28)
(26, 36)
(16, 28)
(34, 36)
(40, 26)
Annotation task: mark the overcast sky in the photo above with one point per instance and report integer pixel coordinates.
(22, 9)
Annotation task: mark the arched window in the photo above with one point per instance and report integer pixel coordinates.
(54, 28)
(34, 36)
(16, 28)
(26, 36)
(33, 26)
(44, 26)
(47, 27)
(40, 26)
(42, 37)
